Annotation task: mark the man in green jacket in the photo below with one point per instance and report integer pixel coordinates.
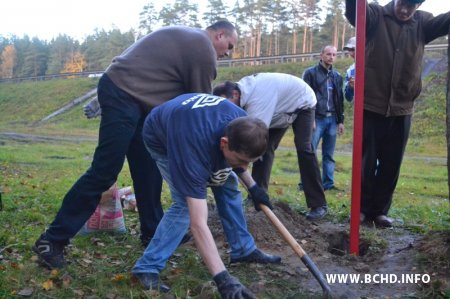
(396, 35)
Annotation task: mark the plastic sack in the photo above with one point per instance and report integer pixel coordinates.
(129, 202)
(108, 216)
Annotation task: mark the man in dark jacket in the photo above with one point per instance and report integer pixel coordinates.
(327, 84)
(396, 35)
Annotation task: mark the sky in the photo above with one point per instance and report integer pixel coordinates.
(78, 19)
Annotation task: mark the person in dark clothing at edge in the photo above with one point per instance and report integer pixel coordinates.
(396, 35)
(327, 84)
(158, 67)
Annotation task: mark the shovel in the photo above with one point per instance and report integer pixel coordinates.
(327, 293)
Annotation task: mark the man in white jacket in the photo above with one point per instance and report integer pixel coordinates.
(282, 100)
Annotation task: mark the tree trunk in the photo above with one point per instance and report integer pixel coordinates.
(245, 47)
(344, 27)
(252, 44)
(336, 33)
(305, 34)
(270, 45)
(294, 41)
(448, 115)
(277, 43)
(258, 40)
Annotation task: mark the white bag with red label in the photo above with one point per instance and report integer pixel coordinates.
(108, 216)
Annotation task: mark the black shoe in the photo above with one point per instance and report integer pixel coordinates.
(257, 256)
(300, 186)
(332, 188)
(146, 241)
(150, 281)
(50, 254)
(383, 221)
(362, 218)
(317, 213)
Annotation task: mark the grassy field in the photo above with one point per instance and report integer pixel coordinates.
(35, 176)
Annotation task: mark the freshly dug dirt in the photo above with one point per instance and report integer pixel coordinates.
(326, 243)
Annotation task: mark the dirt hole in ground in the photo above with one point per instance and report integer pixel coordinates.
(339, 244)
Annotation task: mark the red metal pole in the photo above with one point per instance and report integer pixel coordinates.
(358, 125)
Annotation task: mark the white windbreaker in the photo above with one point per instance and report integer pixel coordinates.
(275, 98)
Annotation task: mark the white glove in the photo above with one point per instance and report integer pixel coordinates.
(92, 109)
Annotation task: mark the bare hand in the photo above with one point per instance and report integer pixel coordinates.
(351, 82)
(341, 129)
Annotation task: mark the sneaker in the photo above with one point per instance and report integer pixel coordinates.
(146, 241)
(50, 254)
(317, 213)
(150, 281)
(257, 256)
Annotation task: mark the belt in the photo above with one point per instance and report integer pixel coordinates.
(328, 114)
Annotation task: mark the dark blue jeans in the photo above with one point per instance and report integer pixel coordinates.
(326, 129)
(120, 136)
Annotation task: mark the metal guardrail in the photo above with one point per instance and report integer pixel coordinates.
(298, 57)
(221, 63)
(53, 76)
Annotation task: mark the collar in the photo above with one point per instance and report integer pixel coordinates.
(324, 69)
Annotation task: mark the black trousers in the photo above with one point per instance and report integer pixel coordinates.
(307, 160)
(120, 136)
(384, 142)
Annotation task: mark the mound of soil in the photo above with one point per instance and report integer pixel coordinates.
(326, 243)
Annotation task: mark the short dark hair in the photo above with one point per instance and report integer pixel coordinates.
(222, 24)
(226, 89)
(247, 135)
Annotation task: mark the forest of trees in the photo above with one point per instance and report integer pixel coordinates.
(265, 27)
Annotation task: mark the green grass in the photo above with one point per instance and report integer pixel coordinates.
(23, 105)
(34, 182)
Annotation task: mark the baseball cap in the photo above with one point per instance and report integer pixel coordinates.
(351, 44)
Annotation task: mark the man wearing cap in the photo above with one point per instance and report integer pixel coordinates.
(396, 35)
(349, 81)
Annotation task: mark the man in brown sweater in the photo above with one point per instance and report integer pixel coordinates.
(160, 66)
(396, 35)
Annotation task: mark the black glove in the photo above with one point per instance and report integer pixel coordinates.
(230, 288)
(259, 196)
(238, 170)
(92, 109)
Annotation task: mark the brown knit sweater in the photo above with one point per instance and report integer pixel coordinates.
(164, 64)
